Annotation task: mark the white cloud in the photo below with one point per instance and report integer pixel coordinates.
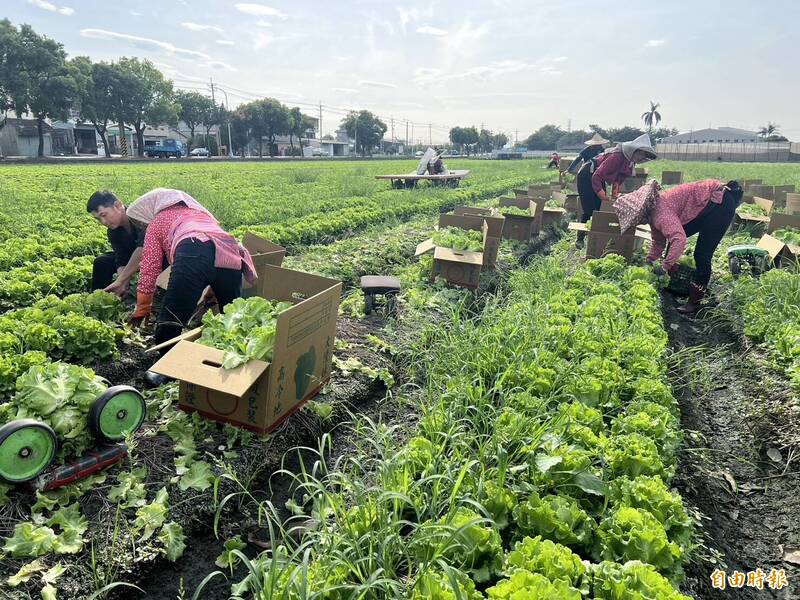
(201, 27)
(259, 10)
(263, 23)
(559, 59)
(655, 43)
(341, 90)
(220, 66)
(428, 30)
(226, 42)
(143, 43)
(376, 84)
(134, 13)
(465, 37)
(50, 7)
(262, 39)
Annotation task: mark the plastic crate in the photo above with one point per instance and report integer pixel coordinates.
(680, 280)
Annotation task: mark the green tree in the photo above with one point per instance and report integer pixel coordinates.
(769, 130)
(365, 128)
(651, 117)
(42, 81)
(499, 140)
(266, 118)
(240, 131)
(217, 114)
(299, 125)
(624, 134)
(98, 101)
(9, 54)
(464, 137)
(194, 109)
(544, 138)
(148, 98)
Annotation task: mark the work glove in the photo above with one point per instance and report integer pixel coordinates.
(602, 195)
(144, 305)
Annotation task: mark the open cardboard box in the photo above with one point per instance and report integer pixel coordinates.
(748, 219)
(792, 204)
(259, 395)
(457, 267)
(671, 177)
(474, 222)
(783, 221)
(522, 227)
(569, 201)
(633, 183)
(779, 252)
(604, 236)
(782, 193)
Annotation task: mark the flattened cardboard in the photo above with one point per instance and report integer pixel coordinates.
(783, 221)
(757, 219)
(671, 177)
(258, 396)
(424, 247)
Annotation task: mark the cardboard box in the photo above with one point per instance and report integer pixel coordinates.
(520, 227)
(258, 395)
(569, 201)
(461, 268)
(781, 254)
(494, 232)
(564, 163)
(633, 183)
(762, 191)
(792, 204)
(782, 221)
(552, 215)
(604, 237)
(671, 177)
(781, 195)
(263, 253)
(473, 210)
(748, 183)
(747, 219)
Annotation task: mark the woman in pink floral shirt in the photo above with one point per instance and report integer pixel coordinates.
(705, 208)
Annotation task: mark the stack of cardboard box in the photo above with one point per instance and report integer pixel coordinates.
(781, 253)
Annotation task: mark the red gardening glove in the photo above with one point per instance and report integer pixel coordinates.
(144, 305)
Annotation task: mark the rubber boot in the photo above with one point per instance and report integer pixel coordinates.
(579, 241)
(696, 294)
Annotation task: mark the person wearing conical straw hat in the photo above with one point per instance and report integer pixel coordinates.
(612, 167)
(594, 146)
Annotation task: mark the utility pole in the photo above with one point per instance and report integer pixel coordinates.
(392, 121)
(320, 122)
(569, 125)
(214, 100)
(430, 134)
(407, 132)
(516, 137)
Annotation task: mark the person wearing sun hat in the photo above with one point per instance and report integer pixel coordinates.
(594, 146)
(611, 167)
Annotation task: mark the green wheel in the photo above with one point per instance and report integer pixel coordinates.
(118, 411)
(27, 447)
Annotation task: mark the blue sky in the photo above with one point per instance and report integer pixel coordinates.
(507, 64)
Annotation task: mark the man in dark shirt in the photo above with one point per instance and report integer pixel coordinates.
(126, 243)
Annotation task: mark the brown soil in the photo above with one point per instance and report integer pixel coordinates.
(749, 503)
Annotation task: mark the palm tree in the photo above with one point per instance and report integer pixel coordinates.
(651, 116)
(769, 130)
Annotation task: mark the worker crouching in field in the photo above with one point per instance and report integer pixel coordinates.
(612, 167)
(705, 208)
(126, 244)
(201, 255)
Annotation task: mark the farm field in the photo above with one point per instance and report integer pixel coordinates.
(561, 432)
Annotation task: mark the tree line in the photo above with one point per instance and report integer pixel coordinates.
(469, 139)
(38, 78)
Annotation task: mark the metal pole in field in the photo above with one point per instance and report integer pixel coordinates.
(228, 108)
(430, 134)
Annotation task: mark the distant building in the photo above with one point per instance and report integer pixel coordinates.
(20, 137)
(719, 135)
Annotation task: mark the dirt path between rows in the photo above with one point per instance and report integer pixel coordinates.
(750, 502)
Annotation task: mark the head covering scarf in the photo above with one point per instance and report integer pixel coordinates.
(640, 143)
(145, 208)
(634, 208)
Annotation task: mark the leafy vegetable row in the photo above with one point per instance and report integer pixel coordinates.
(540, 468)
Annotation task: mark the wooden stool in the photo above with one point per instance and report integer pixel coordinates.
(373, 285)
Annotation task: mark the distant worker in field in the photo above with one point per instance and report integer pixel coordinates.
(179, 228)
(594, 146)
(611, 167)
(435, 165)
(126, 244)
(555, 159)
(705, 208)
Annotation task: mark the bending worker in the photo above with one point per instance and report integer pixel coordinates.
(554, 160)
(594, 146)
(179, 228)
(126, 244)
(612, 167)
(705, 208)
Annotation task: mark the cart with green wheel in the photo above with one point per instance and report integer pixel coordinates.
(28, 447)
(741, 254)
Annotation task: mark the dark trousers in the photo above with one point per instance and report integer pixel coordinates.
(710, 225)
(192, 270)
(103, 270)
(552, 163)
(590, 201)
